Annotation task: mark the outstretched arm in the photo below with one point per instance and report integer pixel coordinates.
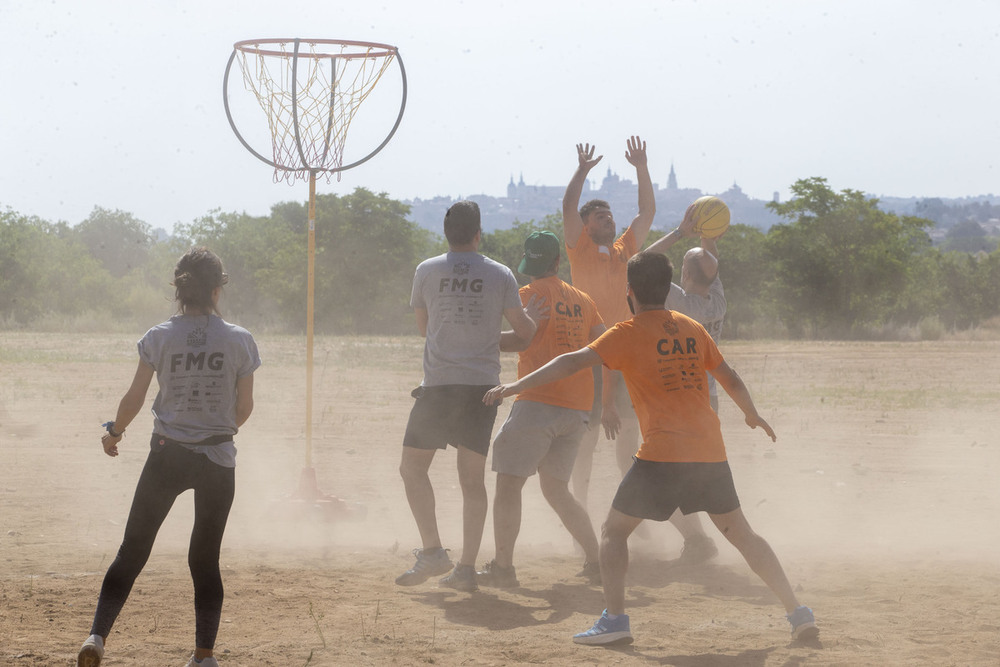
(561, 367)
(636, 156)
(572, 222)
(685, 229)
(737, 390)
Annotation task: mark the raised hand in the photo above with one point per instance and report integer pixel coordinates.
(686, 228)
(636, 151)
(585, 155)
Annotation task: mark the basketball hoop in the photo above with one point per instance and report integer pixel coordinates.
(310, 91)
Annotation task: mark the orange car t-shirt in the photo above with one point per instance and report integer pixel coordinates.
(665, 357)
(600, 272)
(572, 314)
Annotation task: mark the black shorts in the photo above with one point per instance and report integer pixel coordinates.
(654, 490)
(451, 414)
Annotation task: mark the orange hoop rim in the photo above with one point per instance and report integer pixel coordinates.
(252, 46)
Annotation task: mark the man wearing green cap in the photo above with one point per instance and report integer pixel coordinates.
(543, 431)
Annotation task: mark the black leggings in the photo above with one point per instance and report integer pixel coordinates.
(169, 471)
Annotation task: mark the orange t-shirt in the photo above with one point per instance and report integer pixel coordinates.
(665, 357)
(572, 314)
(600, 272)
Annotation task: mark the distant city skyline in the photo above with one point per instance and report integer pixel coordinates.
(525, 202)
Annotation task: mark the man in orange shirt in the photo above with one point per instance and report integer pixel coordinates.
(597, 262)
(681, 463)
(597, 265)
(543, 431)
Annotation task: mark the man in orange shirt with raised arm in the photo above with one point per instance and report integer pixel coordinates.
(681, 464)
(597, 264)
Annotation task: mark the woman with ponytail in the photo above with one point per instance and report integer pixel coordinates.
(204, 368)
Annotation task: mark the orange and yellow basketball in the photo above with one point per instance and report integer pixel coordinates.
(711, 217)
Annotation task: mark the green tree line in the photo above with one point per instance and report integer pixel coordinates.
(837, 267)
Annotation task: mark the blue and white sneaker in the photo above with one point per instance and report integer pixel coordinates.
(803, 623)
(606, 632)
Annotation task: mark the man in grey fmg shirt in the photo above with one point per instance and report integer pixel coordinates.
(460, 299)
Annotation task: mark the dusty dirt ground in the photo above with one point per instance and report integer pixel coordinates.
(880, 498)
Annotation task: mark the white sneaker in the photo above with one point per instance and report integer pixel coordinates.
(91, 652)
(205, 662)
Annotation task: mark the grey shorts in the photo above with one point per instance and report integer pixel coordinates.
(539, 437)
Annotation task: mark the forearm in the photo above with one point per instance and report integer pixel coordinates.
(128, 408)
(561, 367)
(244, 399)
(609, 387)
(571, 198)
(733, 385)
(243, 410)
(665, 242)
(511, 342)
(647, 201)
(711, 245)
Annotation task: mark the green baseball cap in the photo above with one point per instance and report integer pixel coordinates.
(540, 250)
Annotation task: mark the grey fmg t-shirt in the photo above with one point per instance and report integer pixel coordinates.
(197, 359)
(465, 295)
(708, 311)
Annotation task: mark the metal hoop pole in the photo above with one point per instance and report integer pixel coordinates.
(310, 300)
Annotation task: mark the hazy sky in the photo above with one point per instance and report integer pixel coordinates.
(119, 104)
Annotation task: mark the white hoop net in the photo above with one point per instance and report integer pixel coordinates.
(311, 98)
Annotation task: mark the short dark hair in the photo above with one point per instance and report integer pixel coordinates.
(649, 275)
(592, 206)
(462, 222)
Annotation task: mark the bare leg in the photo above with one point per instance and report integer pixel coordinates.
(572, 513)
(472, 478)
(507, 517)
(583, 468)
(614, 558)
(627, 442)
(420, 494)
(757, 553)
